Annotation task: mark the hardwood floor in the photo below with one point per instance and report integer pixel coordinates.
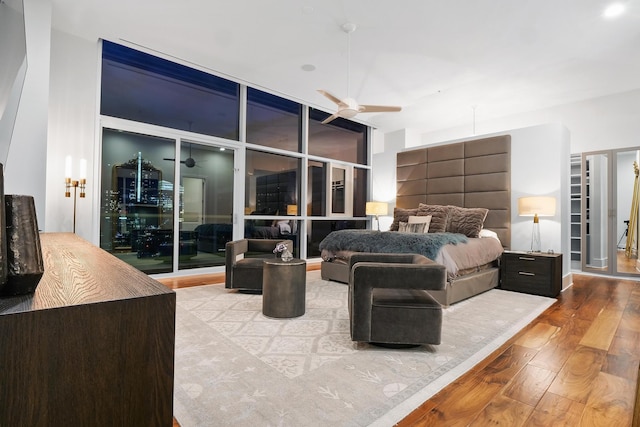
(575, 365)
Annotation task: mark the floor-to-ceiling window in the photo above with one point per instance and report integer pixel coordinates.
(137, 199)
(301, 178)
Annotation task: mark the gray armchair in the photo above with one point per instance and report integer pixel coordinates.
(389, 302)
(245, 273)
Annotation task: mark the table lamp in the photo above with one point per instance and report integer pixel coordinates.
(536, 206)
(376, 209)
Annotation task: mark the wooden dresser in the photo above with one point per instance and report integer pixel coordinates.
(94, 345)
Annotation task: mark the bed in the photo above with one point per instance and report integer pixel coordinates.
(465, 188)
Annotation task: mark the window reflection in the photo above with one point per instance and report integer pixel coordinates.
(317, 230)
(273, 121)
(144, 88)
(271, 183)
(137, 199)
(360, 185)
(317, 188)
(340, 139)
(206, 204)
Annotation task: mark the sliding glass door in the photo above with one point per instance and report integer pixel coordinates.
(206, 204)
(139, 222)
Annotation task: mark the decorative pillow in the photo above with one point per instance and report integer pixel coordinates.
(401, 214)
(467, 221)
(411, 228)
(488, 233)
(426, 220)
(284, 227)
(439, 216)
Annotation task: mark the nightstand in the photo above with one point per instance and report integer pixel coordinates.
(533, 273)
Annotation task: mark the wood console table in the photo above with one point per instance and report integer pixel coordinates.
(94, 345)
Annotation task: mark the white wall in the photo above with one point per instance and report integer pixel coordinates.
(595, 124)
(25, 170)
(73, 113)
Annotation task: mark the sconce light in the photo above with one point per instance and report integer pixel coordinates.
(536, 207)
(75, 184)
(376, 209)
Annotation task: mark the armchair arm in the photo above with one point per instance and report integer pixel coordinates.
(231, 252)
(233, 249)
(379, 257)
(428, 276)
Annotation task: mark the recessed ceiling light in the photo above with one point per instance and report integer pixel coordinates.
(614, 10)
(308, 67)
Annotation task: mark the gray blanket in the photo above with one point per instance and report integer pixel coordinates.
(427, 244)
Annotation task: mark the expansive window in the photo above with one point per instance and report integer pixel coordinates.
(188, 158)
(144, 88)
(273, 121)
(137, 199)
(339, 139)
(272, 192)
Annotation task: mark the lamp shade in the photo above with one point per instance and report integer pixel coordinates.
(377, 208)
(537, 205)
(292, 209)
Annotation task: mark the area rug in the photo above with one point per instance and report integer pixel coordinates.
(236, 367)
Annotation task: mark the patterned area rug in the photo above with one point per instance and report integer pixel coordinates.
(236, 367)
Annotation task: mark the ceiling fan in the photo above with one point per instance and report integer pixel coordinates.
(188, 162)
(349, 107)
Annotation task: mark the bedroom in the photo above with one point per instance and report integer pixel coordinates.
(57, 114)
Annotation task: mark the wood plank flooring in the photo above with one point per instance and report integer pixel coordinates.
(577, 364)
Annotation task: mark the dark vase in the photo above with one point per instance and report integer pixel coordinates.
(25, 266)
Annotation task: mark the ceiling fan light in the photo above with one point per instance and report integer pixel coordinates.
(348, 113)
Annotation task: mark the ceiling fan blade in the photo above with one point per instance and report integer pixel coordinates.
(166, 158)
(378, 108)
(331, 117)
(330, 96)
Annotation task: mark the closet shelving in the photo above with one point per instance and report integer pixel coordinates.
(576, 210)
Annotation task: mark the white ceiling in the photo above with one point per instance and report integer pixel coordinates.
(439, 60)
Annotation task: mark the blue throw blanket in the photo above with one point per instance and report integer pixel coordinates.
(427, 244)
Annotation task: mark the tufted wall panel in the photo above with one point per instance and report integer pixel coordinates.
(470, 174)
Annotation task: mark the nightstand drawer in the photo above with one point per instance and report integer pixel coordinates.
(523, 279)
(535, 273)
(528, 266)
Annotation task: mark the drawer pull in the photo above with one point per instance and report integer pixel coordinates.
(524, 273)
(526, 258)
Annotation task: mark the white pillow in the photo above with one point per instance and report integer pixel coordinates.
(421, 219)
(284, 226)
(488, 233)
(404, 227)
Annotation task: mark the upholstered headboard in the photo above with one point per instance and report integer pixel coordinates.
(470, 174)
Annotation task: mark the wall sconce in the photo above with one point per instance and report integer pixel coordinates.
(376, 209)
(80, 183)
(536, 207)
